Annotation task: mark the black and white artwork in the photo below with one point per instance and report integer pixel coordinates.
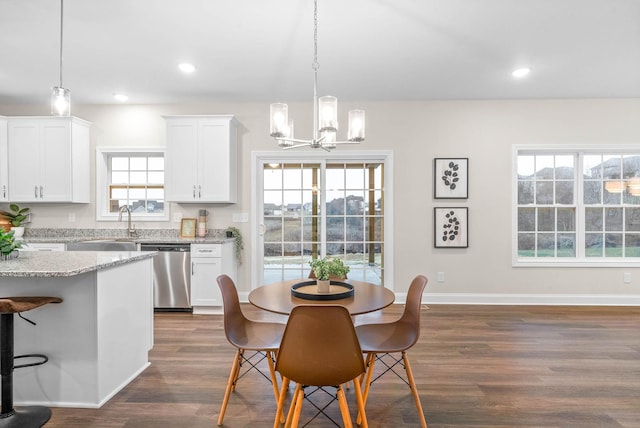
(450, 227)
(451, 178)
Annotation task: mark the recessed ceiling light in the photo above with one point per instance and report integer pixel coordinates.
(521, 72)
(187, 68)
(120, 97)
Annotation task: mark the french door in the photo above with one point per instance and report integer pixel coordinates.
(311, 208)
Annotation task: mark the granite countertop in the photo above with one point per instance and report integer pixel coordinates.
(162, 236)
(160, 240)
(66, 263)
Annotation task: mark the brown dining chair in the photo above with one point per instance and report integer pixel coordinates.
(261, 338)
(380, 340)
(319, 349)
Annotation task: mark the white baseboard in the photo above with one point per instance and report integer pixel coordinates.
(531, 299)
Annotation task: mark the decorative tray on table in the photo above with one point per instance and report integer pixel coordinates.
(309, 290)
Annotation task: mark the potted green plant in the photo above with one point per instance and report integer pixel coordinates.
(327, 268)
(8, 245)
(234, 232)
(17, 217)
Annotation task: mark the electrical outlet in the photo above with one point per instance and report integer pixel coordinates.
(240, 217)
(627, 277)
(440, 276)
(176, 217)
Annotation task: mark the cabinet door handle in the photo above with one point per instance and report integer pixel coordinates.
(41, 192)
(192, 268)
(4, 191)
(35, 191)
(194, 191)
(199, 192)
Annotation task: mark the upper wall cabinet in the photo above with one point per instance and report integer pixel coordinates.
(4, 161)
(48, 159)
(201, 159)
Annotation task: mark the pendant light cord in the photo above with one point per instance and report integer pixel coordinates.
(61, 27)
(315, 67)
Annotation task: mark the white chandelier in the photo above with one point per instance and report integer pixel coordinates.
(60, 97)
(325, 114)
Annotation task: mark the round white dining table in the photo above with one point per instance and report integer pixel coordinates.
(277, 297)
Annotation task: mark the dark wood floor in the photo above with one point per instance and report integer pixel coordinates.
(475, 366)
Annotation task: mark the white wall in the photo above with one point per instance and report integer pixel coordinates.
(417, 132)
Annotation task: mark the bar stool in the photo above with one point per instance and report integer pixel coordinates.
(31, 416)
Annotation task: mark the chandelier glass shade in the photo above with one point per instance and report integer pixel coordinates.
(61, 97)
(325, 114)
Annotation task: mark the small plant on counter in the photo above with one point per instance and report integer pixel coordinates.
(8, 245)
(234, 232)
(16, 215)
(327, 268)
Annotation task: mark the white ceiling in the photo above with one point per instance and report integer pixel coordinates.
(259, 50)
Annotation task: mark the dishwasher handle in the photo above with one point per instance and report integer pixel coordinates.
(166, 248)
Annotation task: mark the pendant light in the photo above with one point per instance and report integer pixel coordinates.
(325, 114)
(61, 97)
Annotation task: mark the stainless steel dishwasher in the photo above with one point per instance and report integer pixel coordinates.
(171, 276)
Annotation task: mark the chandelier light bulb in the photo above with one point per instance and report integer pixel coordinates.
(328, 107)
(279, 119)
(356, 126)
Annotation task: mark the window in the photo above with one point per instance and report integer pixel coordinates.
(315, 207)
(577, 206)
(131, 178)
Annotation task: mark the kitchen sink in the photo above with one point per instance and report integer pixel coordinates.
(103, 245)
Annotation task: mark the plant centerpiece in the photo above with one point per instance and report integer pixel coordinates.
(327, 268)
(234, 232)
(17, 217)
(8, 245)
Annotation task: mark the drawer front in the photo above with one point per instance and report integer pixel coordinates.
(206, 250)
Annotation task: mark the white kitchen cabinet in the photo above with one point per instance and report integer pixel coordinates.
(4, 162)
(44, 246)
(201, 159)
(208, 261)
(48, 159)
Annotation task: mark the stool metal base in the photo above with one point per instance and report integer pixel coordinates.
(26, 417)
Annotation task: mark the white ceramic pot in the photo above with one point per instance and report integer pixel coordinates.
(18, 232)
(323, 286)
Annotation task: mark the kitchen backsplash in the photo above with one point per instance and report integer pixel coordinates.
(111, 233)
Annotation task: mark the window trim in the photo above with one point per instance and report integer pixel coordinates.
(102, 171)
(556, 150)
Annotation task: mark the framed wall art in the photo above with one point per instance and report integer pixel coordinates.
(451, 178)
(451, 227)
(188, 228)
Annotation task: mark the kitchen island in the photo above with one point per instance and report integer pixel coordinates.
(97, 339)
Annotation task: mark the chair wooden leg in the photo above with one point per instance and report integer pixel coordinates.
(414, 390)
(344, 408)
(280, 406)
(362, 415)
(240, 355)
(298, 399)
(369, 364)
(274, 379)
(233, 376)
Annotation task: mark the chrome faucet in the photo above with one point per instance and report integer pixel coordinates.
(131, 230)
